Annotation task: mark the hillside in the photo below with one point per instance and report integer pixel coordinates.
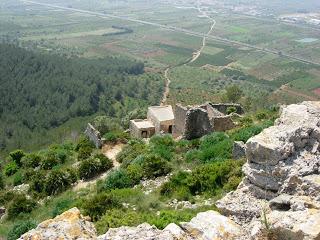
(41, 92)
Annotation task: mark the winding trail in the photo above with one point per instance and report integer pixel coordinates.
(195, 55)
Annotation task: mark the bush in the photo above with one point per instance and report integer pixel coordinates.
(92, 167)
(178, 180)
(216, 146)
(169, 216)
(131, 152)
(20, 204)
(135, 173)
(20, 228)
(84, 142)
(31, 160)
(97, 205)
(154, 166)
(115, 218)
(57, 181)
(212, 177)
(245, 133)
(38, 181)
(49, 161)
(105, 124)
(18, 179)
(105, 161)
(16, 156)
(231, 110)
(10, 169)
(6, 197)
(62, 206)
(84, 153)
(118, 179)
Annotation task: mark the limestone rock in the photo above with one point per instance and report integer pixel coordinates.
(239, 150)
(69, 225)
(283, 167)
(212, 225)
(296, 225)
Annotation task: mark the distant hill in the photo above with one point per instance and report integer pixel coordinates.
(39, 92)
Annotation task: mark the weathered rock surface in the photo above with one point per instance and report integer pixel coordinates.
(283, 167)
(69, 225)
(239, 150)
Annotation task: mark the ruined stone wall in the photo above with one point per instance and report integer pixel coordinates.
(94, 135)
(197, 123)
(222, 107)
(155, 121)
(180, 114)
(222, 123)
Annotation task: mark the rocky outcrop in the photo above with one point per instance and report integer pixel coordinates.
(205, 226)
(282, 176)
(72, 225)
(69, 225)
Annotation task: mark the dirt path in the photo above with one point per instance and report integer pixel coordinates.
(109, 151)
(195, 56)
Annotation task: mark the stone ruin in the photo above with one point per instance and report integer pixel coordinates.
(160, 119)
(94, 135)
(196, 121)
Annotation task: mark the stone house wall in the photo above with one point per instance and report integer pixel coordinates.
(94, 135)
(180, 115)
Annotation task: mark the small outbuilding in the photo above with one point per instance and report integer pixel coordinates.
(141, 128)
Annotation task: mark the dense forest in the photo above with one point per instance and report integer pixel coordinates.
(39, 92)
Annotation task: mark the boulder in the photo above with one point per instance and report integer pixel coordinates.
(212, 225)
(69, 225)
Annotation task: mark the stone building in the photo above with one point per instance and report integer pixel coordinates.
(196, 121)
(140, 128)
(94, 135)
(160, 119)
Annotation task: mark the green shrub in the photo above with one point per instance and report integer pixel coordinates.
(20, 228)
(231, 110)
(6, 197)
(110, 137)
(10, 169)
(261, 115)
(84, 153)
(16, 156)
(92, 167)
(216, 146)
(105, 161)
(115, 218)
(131, 152)
(31, 160)
(177, 186)
(243, 134)
(169, 216)
(50, 161)
(84, 142)
(97, 205)
(62, 206)
(57, 181)
(38, 182)
(71, 175)
(105, 124)
(155, 166)
(246, 121)
(118, 179)
(17, 179)
(212, 177)
(135, 173)
(20, 204)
